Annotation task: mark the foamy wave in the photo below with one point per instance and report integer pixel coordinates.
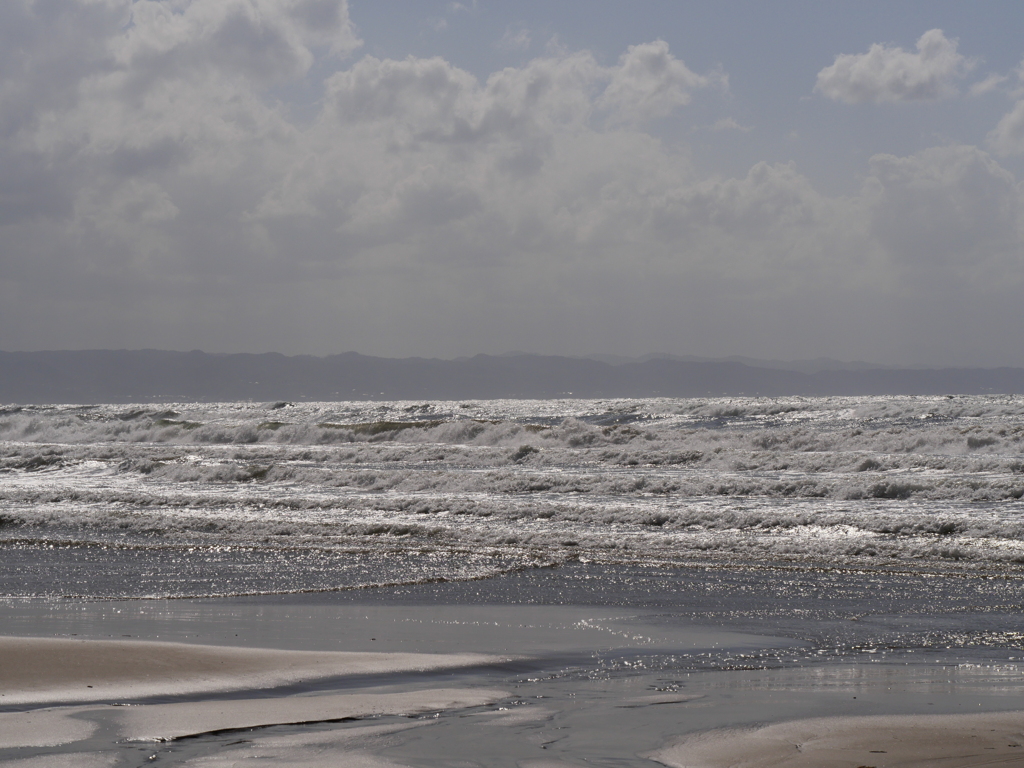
(916, 479)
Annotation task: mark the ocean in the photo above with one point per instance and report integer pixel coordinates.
(826, 544)
(224, 499)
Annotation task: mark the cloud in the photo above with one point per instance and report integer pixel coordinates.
(1008, 136)
(891, 74)
(650, 82)
(262, 40)
(462, 7)
(156, 190)
(730, 124)
(989, 84)
(947, 211)
(516, 39)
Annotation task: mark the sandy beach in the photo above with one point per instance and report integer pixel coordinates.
(217, 705)
(49, 670)
(63, 672)
(859, 742)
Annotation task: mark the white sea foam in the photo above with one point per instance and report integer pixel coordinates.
(928, 479)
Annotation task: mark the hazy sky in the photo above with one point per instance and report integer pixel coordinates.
(782, 179)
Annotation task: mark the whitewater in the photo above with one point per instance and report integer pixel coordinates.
(199, 500)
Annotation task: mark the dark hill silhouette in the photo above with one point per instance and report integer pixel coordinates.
(122, 376)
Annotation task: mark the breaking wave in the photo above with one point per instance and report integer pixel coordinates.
(875, 479)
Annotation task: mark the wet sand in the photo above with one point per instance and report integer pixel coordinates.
(96, 734)
(57, 670)
(579, 692)
(105, 672)
(906, 741)
(52, 727)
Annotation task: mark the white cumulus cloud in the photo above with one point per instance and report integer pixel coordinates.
(1008, 136)
(892, 74)
(991, 83)
(650, 82)
(156, 190)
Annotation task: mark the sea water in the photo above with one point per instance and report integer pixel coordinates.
(193, 500)
(762, 513)
(631, 548)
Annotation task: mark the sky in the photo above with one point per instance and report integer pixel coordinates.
(779, 180)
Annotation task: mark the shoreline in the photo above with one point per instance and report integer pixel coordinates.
(584, 687)
(719, 719)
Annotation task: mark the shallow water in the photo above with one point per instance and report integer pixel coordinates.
(616, 661)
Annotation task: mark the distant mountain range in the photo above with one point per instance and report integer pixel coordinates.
(803, 366)
(122, 376)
